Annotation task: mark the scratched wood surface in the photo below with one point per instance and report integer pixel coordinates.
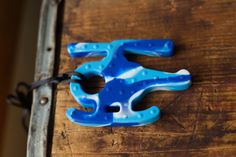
(197, 122)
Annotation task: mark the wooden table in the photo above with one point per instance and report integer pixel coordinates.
(200, 121)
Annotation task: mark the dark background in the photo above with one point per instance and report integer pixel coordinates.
(18, 39)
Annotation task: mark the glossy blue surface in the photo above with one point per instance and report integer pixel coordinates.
(126, 82)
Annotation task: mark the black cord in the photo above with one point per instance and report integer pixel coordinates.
(23, 94)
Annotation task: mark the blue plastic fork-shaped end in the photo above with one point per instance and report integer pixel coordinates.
(163, 48)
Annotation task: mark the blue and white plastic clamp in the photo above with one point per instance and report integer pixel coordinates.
(126, 82)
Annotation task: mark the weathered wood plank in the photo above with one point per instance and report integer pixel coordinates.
(198, 122)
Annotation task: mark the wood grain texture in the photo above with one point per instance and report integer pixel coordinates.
(197, 122)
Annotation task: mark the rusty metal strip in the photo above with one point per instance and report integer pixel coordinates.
(42, 99)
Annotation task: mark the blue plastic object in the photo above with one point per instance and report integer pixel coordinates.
(126, 82)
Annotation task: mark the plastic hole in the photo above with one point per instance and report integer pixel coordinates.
(113, 109)
(93, 84)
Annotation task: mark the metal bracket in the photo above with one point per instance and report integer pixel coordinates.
(42, 98)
